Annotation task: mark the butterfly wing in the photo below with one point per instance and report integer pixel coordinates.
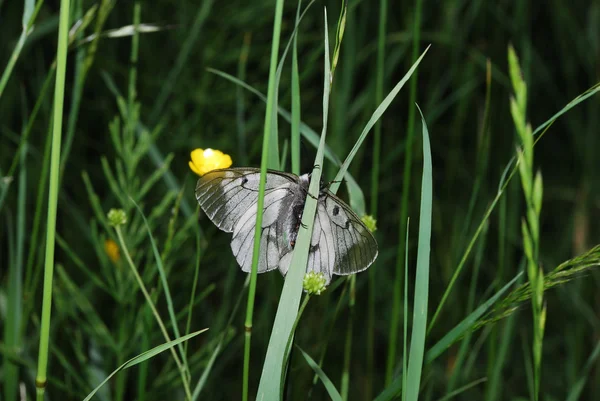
(346, 236)
(229, 198)
(273, 240)
(226, 194)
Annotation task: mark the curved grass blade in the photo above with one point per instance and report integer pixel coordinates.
(331, 390)
(374, 118)
(144, 356)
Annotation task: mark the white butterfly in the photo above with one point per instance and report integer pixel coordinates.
(340, 244)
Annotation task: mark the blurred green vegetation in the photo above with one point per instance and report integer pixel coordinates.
(129, 127)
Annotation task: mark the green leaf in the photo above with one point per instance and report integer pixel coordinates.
(417, 341)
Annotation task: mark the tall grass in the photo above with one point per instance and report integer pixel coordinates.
(503, 309)
(59, 94)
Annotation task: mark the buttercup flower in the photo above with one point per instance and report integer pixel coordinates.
(205, 160)
(314, 283)
(112, 250)
(370, 222)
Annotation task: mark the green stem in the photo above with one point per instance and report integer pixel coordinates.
(59, 94)
(267, 159)
(348, 346)
(161, 325)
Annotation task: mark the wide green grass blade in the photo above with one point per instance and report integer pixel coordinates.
(144, 356)
(329, 386)
(417, 340)
(270, 386)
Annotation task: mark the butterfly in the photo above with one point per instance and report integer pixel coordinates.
(340, 244)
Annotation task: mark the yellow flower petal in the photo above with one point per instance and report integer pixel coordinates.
(194, 169)
(205, 160)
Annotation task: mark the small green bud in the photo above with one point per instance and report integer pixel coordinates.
(314, 283)
(370, 222)
(116, 217)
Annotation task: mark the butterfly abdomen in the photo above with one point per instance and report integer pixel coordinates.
(297, 211)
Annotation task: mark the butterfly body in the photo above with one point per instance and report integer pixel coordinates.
(340, 242)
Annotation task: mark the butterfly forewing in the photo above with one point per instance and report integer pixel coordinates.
(226, 194)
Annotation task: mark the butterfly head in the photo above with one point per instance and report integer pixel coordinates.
(305, 181)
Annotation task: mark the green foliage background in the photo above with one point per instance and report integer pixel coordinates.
(128, 132)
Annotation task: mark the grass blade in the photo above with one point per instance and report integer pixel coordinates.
(374, 118)
(144, 356)
(165, 284)
(417, 340)
(268, 159)
(270, 388)
(59, 96)
(331, 390)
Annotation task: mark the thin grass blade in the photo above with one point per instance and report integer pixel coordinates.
(329, 386)
(144, 356)
(165, 284)
(374, 118)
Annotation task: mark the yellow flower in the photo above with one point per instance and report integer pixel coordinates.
(112, 250)
(205, 160)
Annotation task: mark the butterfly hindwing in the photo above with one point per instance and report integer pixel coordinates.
(354, 246)
(276, 207)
